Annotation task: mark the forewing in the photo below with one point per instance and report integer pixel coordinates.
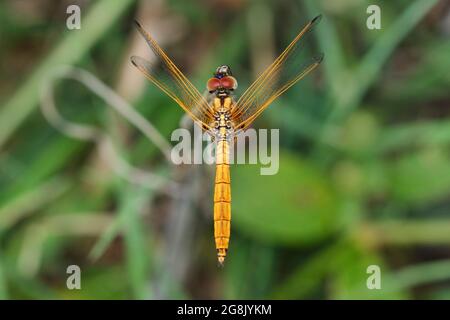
(283, 73)
(167, 77)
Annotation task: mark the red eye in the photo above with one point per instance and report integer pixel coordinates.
(228, 82)
(213, 84)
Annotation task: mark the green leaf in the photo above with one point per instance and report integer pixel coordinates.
(294, 206)
(307, 278)
(349, 276)
(421, 177)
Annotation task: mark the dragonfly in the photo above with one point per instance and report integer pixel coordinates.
(222, 115)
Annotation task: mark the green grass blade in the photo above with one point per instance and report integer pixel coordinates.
(131, 203)
(371, 65)
(73, 46)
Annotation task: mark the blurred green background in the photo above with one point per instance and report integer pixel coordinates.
(364, 166)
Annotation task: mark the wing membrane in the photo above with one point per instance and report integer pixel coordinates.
(173, 82)
(282, 74)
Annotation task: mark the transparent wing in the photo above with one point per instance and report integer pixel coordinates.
(167, 77)
(282, 74)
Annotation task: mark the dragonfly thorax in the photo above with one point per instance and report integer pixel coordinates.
(222, 104)
(222, 117)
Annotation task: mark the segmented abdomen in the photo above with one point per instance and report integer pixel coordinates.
(222, 200)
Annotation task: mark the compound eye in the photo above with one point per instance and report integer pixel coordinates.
(213, 84)
(228, 82)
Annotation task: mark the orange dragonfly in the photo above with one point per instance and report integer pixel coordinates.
(221, 115)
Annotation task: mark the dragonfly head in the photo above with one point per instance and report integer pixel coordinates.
(222, 71)
(223, 83)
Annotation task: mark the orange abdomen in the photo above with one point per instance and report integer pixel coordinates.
(222, 200)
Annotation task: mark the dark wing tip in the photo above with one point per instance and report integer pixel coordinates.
(133, 61)
(137, 24)
(316, 19)
(140, 63)
(319, 58)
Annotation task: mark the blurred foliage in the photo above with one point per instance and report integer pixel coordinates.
(364, 164)
(298, 191)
